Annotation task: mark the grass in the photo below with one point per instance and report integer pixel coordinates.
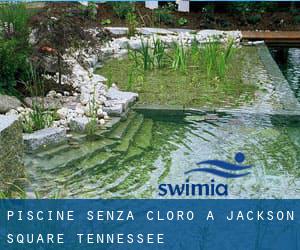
(194, 77)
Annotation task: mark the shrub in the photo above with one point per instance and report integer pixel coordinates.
(122, 9)
(297, 19)
(182, 21)
(14, 45)
(254, 19)
(164, 15)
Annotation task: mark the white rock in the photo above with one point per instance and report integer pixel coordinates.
(62, 113)
(51, 93)
(20, 109)
(102, 121)
(12, 112)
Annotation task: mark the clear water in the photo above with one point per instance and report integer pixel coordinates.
(139, 154)
(288, 60)
(167, 148)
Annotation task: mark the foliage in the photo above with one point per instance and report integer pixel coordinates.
(216, 58)
(254, 18)
(182, 21)
(105, 22)
(193, 87)
(159, 53)
(122, 9)
(131, 20)
(92, 126)
(180, 57)
(38, 118)
(297, 19)
(14, 45)
(164, 15)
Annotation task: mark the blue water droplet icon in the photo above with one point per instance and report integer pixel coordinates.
(239, 157)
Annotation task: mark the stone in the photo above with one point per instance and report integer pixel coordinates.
(102, 121)
(44, 137)
(12, 112)
(115, 94)
(117, 30)
(62, 113)
(11, 152)
(78, 124)
(8, 102)
(115, 110)
(48, 102)
(159, 31)
(135, 44)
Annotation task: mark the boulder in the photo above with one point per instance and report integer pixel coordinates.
(49, 102)
(78, 124)
(124, 97)
(11, 151)
(44, 137)
(115, 110)
(7, 103)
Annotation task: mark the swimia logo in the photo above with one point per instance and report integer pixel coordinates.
(215, 167)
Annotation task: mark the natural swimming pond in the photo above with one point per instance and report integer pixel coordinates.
(147, 149)
(143, 151)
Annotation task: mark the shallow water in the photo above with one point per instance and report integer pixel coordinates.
(156, 150)
(288, 60)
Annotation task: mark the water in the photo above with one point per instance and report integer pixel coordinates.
(144, 151)
(288, 60)
(156, 150)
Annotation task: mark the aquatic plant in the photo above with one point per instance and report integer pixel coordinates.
(159, 53)
(180, 57)
(131, 21)
(216, 58)
(146, 55)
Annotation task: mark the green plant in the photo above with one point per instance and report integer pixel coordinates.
(159, 53)
(254, 18)
(182, 21)
(180, 57)
(194, 52)
(38, 118)
(92, 126)
(105, 22)
(217, 57)
(122, 9)
(164, 15)
(297, 19)
(131, 20)
(14, 45)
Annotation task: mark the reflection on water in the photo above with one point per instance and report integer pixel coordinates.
(154, 150)
(288, 60)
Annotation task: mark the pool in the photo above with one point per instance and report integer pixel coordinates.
(288, 60)
(144, 151)
(152, 147)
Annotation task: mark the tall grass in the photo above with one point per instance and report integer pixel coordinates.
(39, 117)
(179, 58)
(159, 53)
(216, 58)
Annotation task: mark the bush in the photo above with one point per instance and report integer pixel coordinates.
(14, 45)
(122, 9)
(13, 64)
(254, 19)
(164, 15)
(297, 19)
